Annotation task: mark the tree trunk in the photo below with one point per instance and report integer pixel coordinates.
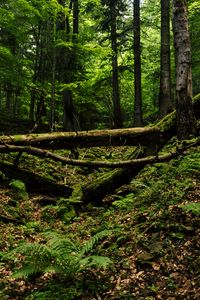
(9, 93)
(75, 20)
(137, 66)
(186, 122)
(66, 66)
(36, 36)
(165, 95)
(83, 139)
(53, 82)
(117, 116)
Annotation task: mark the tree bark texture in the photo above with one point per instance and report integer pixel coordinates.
(165, 95)
(186, 122)
(137, 66)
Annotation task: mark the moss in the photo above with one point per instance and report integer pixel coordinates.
(196, 98)
(167, 122)
(170, 119)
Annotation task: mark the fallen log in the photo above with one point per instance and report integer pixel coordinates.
(96, 138)
(96, 191)
(93, 164)
(34, 182)
(85, 139)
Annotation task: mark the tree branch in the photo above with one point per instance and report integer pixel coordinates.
(97, 164)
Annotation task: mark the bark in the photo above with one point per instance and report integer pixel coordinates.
(186, 122)
(165, 96)
(137, 66)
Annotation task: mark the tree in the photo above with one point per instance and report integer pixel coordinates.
(66, 62)
(165, 97)
(110, 23)
(137, 65)
(117, 117)
(186, 122)
(194, 29)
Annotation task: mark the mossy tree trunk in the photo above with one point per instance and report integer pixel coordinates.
(186, 122)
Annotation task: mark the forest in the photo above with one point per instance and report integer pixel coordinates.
(99, 149)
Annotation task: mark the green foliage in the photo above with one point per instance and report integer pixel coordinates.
(97, 237)
(191, 207)
(56, 291)
(59, 255)
(162, 184)
(191, 164)
(64, 210)
(124, 202)
(19, 188)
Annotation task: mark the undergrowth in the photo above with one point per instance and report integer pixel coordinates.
(141, 229)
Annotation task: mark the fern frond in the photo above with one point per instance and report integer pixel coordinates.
(95, 239)
(62, 245)
(95, 261)
(38, 258)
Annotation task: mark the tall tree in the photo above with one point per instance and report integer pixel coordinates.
(66, 62)
(186, 123)
(165, 95)
(137, 64)
(117, 116)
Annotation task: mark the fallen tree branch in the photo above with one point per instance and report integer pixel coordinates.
(96, 164)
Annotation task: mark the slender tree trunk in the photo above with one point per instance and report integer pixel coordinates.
(165, 97)
(75, 19)
(8, 98)
(137, 65)
(186, 122)
(52, 115)
(117, 116)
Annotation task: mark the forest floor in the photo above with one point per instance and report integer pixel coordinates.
(153, 239)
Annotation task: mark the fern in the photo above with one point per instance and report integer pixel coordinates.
(95, 261)
(38, 259)
(59, 255)
(95, 239)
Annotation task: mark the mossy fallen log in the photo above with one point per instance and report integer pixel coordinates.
(85, 139)
(96, 138)
(35, 183)
(97, 190)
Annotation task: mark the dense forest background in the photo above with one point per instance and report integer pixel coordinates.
(70, 64)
